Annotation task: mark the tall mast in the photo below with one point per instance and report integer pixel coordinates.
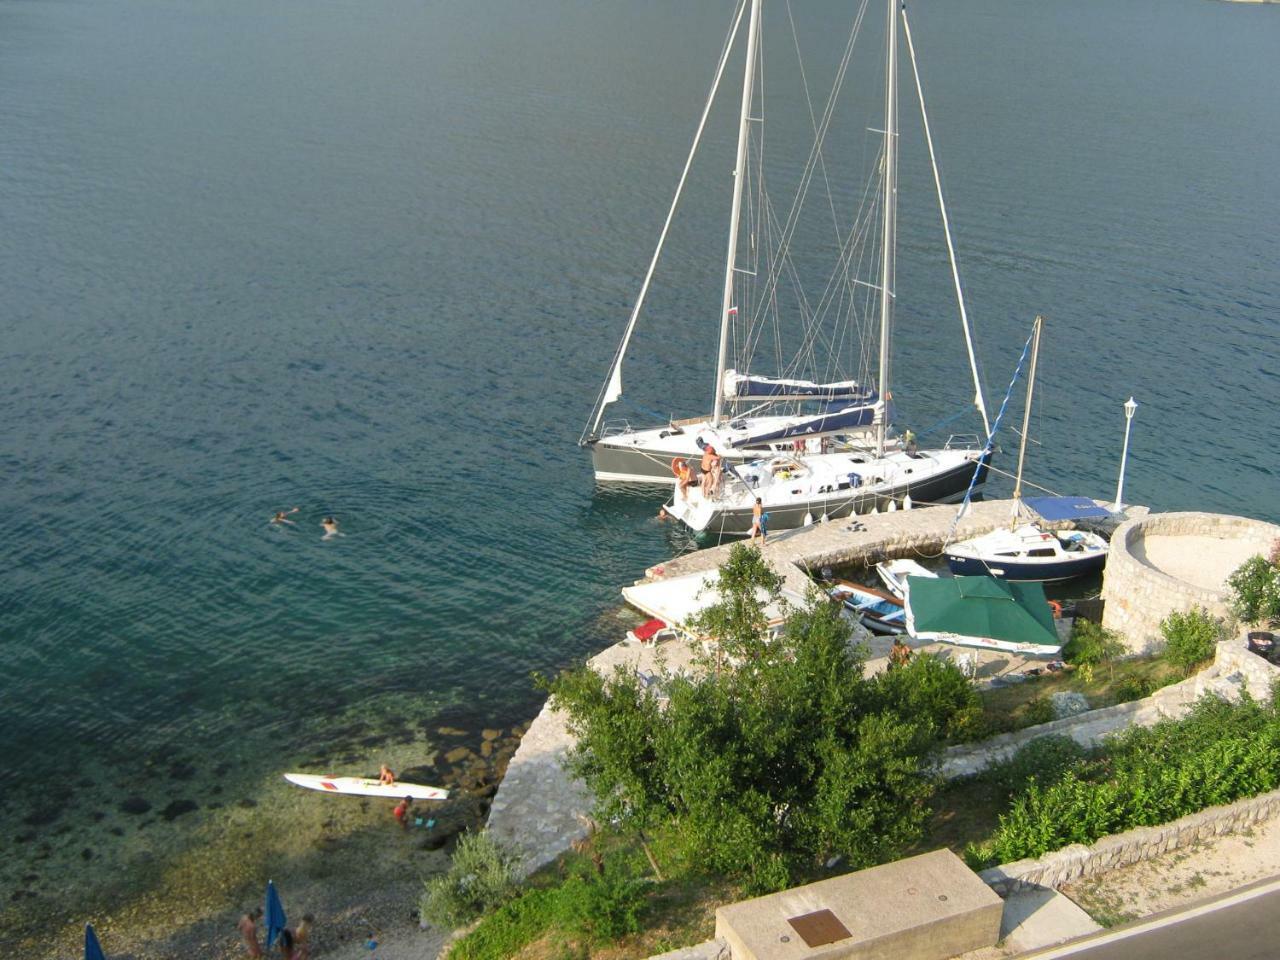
(889, 235)
(739, 175)
(1026, 413)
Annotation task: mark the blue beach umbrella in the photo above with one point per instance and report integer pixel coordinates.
(275, 914)
(92, 949)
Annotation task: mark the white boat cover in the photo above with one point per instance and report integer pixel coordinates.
(679, 598)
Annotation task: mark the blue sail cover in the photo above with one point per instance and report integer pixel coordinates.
(1066, 508)
(842, 418)
(741, 387)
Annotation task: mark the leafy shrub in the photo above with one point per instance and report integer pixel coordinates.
(932, 689)
(1190, 637)
(1255, 589)
(480, 877)
(1038, 711)
(1218, 753)
(1091, 646)
(1134, 688)
(601, 907)
(1044, 760)
(513, 925)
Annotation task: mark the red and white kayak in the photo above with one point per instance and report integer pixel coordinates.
(360, 787)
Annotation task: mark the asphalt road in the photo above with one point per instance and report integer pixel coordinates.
(1242, 925)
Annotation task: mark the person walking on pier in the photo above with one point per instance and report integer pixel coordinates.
(758, 522)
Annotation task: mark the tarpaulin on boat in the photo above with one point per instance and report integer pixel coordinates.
(740, 386)
(981, 612)
(1067, 508)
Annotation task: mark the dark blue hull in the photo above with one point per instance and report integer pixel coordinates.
(1010, 569)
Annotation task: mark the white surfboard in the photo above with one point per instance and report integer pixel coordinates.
(359, 786)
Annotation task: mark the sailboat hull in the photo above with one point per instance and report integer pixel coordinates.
(947, 486)
(1023, 571)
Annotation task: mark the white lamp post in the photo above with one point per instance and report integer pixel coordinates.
(1130, 407)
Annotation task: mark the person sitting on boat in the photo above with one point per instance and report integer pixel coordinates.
(909, 443)
(899, 654)
(386, 775)
(684, 475)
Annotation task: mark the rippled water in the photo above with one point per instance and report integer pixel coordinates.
(372, 259)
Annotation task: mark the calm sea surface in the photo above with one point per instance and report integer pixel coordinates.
(371, 259)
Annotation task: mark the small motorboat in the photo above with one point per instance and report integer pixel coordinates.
(1029, 553)
(893, 574)
(879, 612)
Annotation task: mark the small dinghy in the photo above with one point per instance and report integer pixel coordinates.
(893, 574)
(879, 612)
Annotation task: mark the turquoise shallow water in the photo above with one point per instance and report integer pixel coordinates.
(372, 259)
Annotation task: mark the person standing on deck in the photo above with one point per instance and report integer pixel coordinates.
(708, 457)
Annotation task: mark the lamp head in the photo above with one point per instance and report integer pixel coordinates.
(1130, 407)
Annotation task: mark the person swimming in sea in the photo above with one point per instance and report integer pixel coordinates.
(330, 526)
(282, 516)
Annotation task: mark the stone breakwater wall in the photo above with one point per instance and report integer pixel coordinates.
(1234, 671)
(1133, 846)
(1138, 595)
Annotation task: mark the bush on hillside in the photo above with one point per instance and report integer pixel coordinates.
(481, 877)
(1255, 588)
(1045, 760)
(1091, 645)
(1219, 753)
(1191, 637)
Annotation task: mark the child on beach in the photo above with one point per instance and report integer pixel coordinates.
(404, 812)
(302, 938)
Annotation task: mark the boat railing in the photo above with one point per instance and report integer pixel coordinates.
(961, 441)
(616, 428)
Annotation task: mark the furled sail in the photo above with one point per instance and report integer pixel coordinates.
(738, 386)
(833, 420)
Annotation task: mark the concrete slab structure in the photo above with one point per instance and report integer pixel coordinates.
(929, 907)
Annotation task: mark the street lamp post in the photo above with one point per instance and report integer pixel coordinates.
(1130, 407)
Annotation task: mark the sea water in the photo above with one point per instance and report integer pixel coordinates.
(372, 259)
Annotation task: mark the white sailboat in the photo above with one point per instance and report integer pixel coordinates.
(1024, 550)
(757, 417)
(877, 474)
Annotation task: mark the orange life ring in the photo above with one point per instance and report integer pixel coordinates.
(1056, 607)
(677, 467)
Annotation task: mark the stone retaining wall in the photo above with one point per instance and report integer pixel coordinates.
(1138, 596)
(1145, 843)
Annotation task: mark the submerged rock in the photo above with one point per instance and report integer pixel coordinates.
(135, 805)
(177, 808)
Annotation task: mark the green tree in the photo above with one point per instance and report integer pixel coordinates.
(1092, 645)
(1191, 637)
(1255, 589)
(766, 768)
